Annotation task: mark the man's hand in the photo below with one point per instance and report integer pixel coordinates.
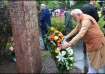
(65, 45)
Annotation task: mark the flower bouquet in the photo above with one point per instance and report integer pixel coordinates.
(63, 57)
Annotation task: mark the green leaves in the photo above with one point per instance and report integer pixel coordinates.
(58, 23)
(101, 23)
(53, 4)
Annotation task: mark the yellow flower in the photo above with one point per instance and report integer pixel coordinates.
(56, 38)
(56, 31)
(57, 50)
(52, 29)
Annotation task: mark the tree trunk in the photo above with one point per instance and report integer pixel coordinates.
(26, 36)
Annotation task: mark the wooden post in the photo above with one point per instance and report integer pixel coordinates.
(26, 36)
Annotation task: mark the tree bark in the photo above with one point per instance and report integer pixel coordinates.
(26, 36)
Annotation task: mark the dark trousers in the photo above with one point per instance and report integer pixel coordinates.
(44, 31)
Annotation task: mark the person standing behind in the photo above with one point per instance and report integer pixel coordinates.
(68, 22)
(91, 9)
(45, 21)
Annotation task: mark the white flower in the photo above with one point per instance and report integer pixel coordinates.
(63, 52)
(71, 64)
(99, 13)
(71, 58)
(70, 51)
(68, 67)
(61, 57)
(11, 48)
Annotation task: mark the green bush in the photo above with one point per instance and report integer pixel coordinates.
(97, 5)
(101, 23)
(58, 23)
